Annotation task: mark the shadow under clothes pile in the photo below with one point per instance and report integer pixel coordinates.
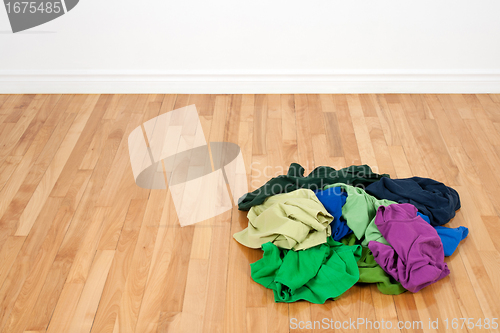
(317, 179)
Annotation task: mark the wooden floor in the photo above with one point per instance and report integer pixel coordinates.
(83, 249)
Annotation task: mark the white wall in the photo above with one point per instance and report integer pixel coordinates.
(258, 46)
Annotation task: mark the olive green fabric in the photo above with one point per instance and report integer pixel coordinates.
(371, 272)
(361, 175)
(359, 213)
(295, 220)
(315, 275)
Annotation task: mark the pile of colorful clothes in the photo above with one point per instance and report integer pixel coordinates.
(324, 232)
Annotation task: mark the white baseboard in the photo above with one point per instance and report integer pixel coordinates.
(355, 81)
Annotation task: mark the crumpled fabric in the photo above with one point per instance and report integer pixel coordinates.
(333, 199)
(415, 257)
(317, 179)
(450, 237)
(432, 198)
(359, 213)
(371, 272)
(315, 275)
(295, 220)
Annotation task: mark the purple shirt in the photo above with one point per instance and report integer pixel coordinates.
(416, 258)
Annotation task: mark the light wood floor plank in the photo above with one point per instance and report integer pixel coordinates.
(380, 148)
(238, 272)
(384, 308)
(256, 295)
(304, 144)
(55, 168)
(156, 285)
(427, 139)
(41, 264)
(31, 168)
(259, 120)
(361, 131)
(411, 149)
(36, 124)
(99, 105)
(18, 109)
(347, 134)
(23, 113)
(55, 290)
(87, 305)
(25, 260)
(109, 305)
(6, 99)
(220, 227)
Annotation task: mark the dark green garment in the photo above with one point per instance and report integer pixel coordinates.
(321, 176)
(371, 272)
(315, 275)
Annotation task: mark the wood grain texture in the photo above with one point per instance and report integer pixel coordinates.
(83, 249)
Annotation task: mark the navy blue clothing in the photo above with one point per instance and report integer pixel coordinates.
(450, 237)
(333, 199)
(432, 198)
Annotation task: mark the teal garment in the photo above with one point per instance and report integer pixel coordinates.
(315, 275)
(295, 220)
(371, 272)
(359, 213)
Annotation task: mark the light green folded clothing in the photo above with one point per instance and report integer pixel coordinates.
(359, 213)
(296, 220)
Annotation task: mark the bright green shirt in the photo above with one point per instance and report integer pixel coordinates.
(315, 275)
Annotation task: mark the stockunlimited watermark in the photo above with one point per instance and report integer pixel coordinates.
(205, 180)
(25, 15)
(382, 324)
